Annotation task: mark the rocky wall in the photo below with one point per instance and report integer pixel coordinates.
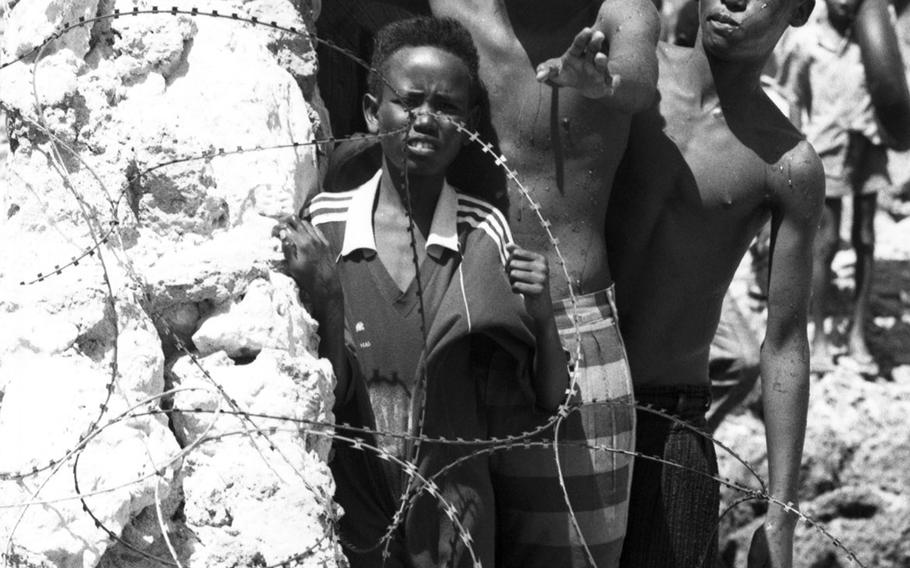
(160, 397)
(853, 480)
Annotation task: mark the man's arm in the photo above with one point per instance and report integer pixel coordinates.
(632, 28)
(799, 194)
(615, 59)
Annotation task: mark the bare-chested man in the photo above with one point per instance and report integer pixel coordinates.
(565, 144)
(566, 155)
(705, 168)
(563, 80)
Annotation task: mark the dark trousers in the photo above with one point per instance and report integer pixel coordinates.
(673, 512)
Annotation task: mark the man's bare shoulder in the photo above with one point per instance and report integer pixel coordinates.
(757, 123)
(798, 179)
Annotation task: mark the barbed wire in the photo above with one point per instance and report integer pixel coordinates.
(355, 436)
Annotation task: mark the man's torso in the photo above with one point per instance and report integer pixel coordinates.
(591, 138)
(689, 197)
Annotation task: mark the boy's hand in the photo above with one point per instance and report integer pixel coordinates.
(309, 257)
(583, 66)
(529, 274)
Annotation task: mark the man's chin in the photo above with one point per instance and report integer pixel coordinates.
(724, 49)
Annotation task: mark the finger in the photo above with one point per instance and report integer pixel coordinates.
(288, 236)
(287, 231)
(580, 43)
(320, 235)
(288, 219)
(293, 221)
(528, 260)
(517, 251)
(548, 70)
(297, 230)
(528, 266)
(596, 44)
(526, 276)
(527, 289)
(511, 248)
(527, 256)
(310, 231)
(293, 232)
(288, 248)
(600, 63)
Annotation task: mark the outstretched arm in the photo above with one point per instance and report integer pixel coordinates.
(799, 194)
(614, 60)
(529, 275)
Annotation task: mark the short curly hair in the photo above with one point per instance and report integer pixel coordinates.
(446, 34)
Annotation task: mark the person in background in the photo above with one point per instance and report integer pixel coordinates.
(821, 65)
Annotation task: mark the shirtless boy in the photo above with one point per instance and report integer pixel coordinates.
(567, 158)
(823, 66)
(705, 168)
(565, 144)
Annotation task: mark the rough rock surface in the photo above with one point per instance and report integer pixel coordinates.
(168, 280)
(854, 477)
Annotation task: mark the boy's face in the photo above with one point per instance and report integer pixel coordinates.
(748, 30)
(435, 86)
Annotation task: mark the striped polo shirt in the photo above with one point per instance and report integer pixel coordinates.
(466, 298)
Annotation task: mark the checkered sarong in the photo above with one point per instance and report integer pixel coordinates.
(534, 526)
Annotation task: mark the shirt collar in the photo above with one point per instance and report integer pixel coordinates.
(358, 233)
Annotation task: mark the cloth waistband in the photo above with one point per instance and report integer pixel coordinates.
(680, 400)
(595, 306)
